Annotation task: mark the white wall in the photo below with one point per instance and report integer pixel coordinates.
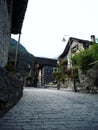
(80, 47)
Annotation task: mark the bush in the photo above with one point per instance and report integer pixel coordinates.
(60, 74)
(85, 57)
(10, 67)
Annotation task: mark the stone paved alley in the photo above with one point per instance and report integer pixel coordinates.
(48, 109)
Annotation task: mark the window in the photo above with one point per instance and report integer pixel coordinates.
(75, 48)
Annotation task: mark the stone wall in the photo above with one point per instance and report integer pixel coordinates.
(10, 90)
(88, 81)
(4, 32)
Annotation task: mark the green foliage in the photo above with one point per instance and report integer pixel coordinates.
(75, 73)
(64, 73)
(85, 57)
(10, 67)
(28, 78)
(57, 75)
(94, 51)
(68, 73)
(60, 74)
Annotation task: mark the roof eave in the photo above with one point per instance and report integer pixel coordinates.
(18, 14)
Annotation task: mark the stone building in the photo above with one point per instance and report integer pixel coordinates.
(74, 45)
(45, 68)
(12, 13)
(11, 18)
(5, 24)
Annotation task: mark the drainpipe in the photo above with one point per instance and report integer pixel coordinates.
(17, 49)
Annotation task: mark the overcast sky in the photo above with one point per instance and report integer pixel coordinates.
(48, 21)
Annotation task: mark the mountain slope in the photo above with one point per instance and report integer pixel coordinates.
(24, 57)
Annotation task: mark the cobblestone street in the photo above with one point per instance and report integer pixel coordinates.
(48, 109)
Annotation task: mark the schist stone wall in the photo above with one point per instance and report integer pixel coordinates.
(11, 89)
(4, 32)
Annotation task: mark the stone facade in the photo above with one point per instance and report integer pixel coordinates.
(11, 20)
(45, 75)
(74, 48)
(89, 81)
(10, 90)
(4, 32)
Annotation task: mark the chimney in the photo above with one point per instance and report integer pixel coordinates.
(93, 38)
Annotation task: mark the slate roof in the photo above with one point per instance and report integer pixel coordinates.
(85, 43)
(46, 61)
(18, 13)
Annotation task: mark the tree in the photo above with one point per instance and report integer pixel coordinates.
(85, 57)
(60, 74)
